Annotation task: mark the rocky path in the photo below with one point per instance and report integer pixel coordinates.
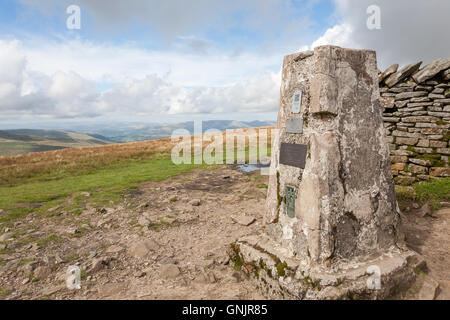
(429, 234)
(167, 240)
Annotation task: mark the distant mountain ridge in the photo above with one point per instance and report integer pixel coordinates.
(142, 132)
(20, 141)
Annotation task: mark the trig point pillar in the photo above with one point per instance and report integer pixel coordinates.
(332, 226)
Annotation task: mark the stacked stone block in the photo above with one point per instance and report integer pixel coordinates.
(416, 114)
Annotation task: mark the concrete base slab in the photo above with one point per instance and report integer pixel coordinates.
(280, 275)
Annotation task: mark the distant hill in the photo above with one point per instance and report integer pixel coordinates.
(142, 132)
(20, 141)
(30, 140)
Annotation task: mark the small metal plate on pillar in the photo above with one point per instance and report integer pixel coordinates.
(294, 125)
(294, 155)
(290, 201)
(296, 101)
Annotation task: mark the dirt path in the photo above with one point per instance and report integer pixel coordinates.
(160, 244)
(168, 240)
(430, 237)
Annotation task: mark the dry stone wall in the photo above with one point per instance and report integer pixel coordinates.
(416, 114)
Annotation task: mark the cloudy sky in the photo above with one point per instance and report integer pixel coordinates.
(177, 60)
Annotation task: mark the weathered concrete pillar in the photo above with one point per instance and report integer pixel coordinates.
(332, 213)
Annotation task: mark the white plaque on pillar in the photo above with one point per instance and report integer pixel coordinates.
(296, 101)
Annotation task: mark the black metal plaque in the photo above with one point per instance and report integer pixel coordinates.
(294, 155)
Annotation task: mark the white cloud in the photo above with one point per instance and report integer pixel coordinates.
(115, 63)
(11, 70)
(411, 30)
(339, 35)
(43, 78)
(30, 87)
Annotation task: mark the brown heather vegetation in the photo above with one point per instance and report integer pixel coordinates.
(76, 160)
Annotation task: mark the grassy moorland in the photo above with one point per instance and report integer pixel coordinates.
(37, 182)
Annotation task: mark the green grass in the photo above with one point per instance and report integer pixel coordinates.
(24, 261)
(3, 292)
(105, 185)
(47, 240)
(438, 189)
(433, 191)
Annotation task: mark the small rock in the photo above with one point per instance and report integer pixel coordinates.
(169, 271)
(168, 260)
(389, 71)
(226, 261)
(142, 221)
(54, 209)
(102, 211)
(86, 194)
(415, 205)
(430, 70)
(6, 236)
(42, 272)
(143, 248)
(110, 289)
(27, 268)
(237, 276)
(243, 220)
(98, 264)
(201, 279)
(398, 76)
(144, 205)
(445, 204)
(140, 274)
(50, 291)
(73, 230)
(103, 222)
(114, 249)
(170, 220)
(195, 202)
(429, 289)
(58, 259)
(25, 281)
(425, 210)
(210, 277)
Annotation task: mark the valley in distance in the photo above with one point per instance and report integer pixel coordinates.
(19, 141)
